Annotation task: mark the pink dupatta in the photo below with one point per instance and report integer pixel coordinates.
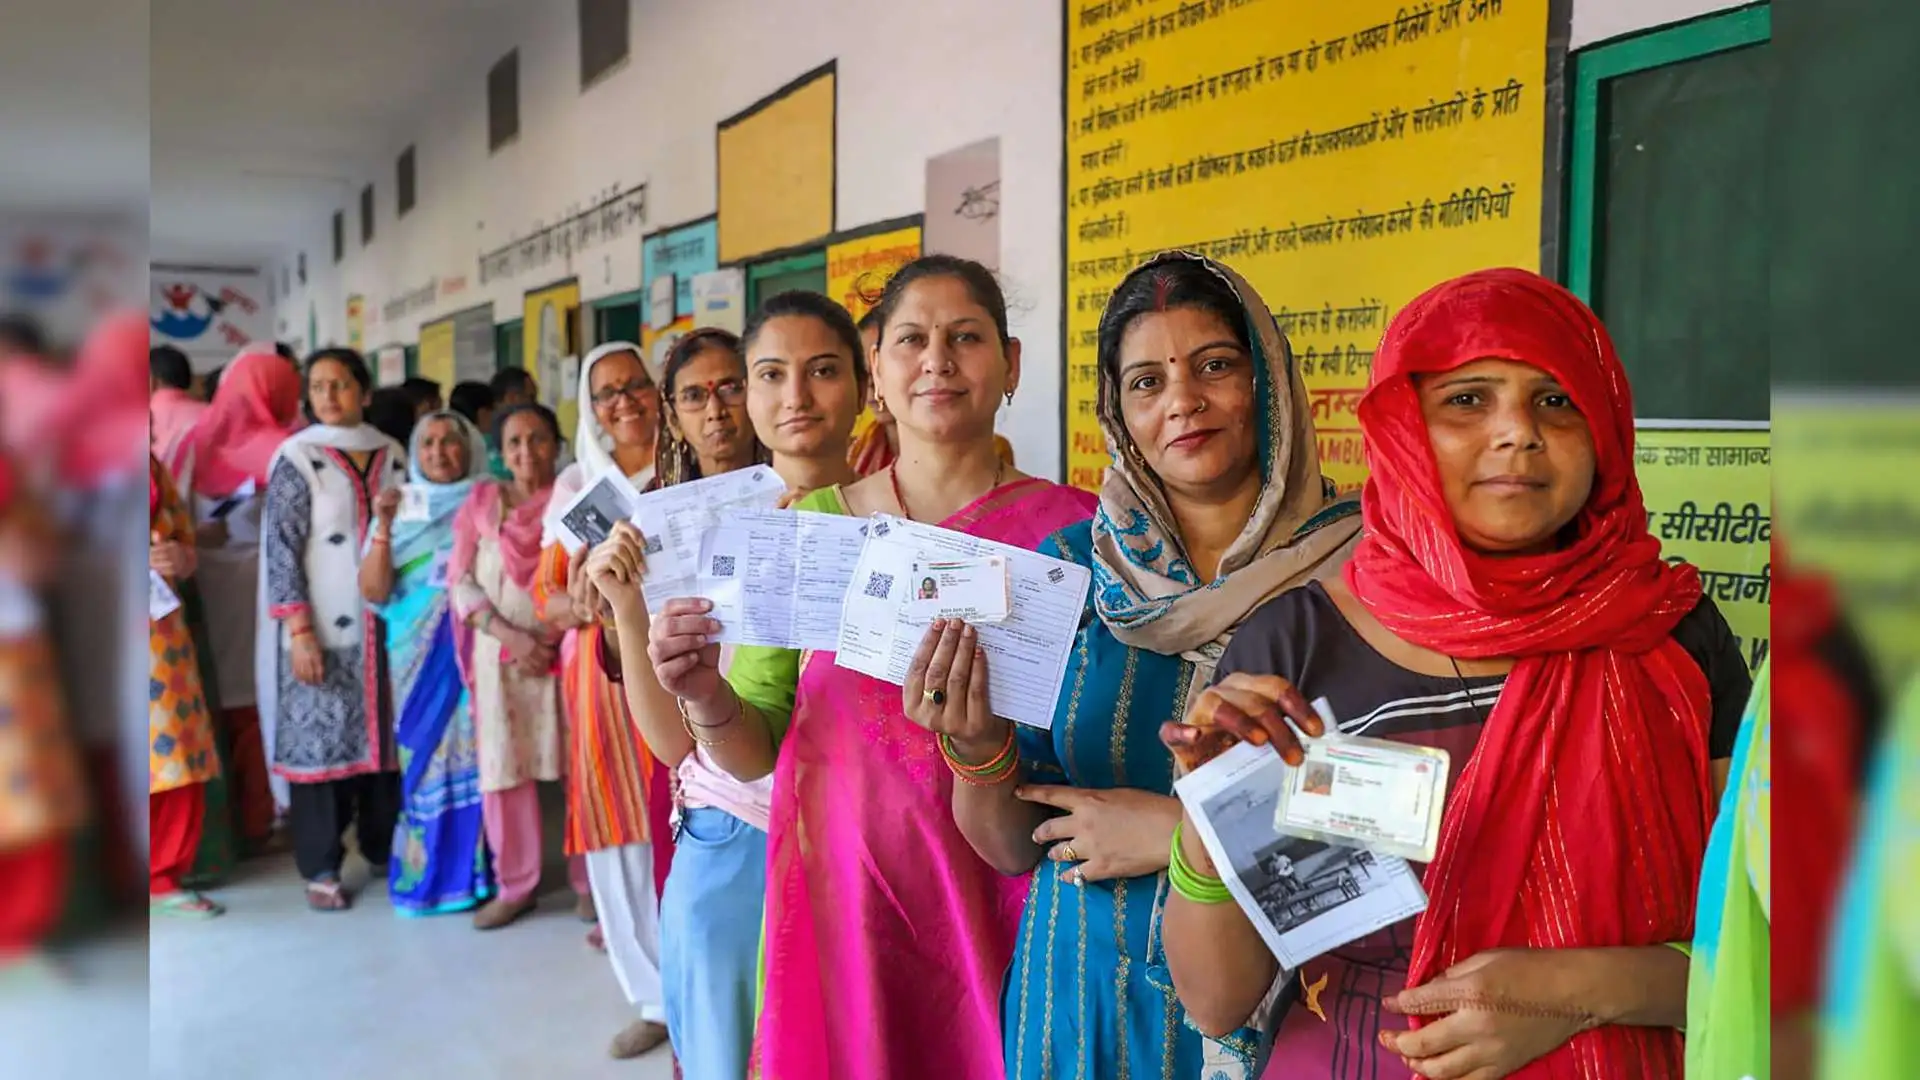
(887, 937)
(518, 533)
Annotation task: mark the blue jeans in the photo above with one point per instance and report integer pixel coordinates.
(710, 942)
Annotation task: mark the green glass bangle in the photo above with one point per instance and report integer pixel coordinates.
(1189, 882)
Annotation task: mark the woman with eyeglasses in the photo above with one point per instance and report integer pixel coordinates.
(333, 738)
(611, 776)
(710, 909)
(887, 937)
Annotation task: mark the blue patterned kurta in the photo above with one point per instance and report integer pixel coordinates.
(1088, 995)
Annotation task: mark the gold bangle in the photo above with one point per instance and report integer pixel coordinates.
(693, 727)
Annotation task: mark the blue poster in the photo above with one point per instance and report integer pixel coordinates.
(680, 253)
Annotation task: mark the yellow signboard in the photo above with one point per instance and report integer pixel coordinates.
(1850, 507)
(858, 269)
(551, 323)
(435, 359)
(1343, 157)
(775, 164)
(1709, 502)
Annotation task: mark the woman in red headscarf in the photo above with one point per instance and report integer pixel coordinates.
(221, 463)
(1507, 604)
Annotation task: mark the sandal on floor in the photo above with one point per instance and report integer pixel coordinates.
(327, 896)
(184, 904)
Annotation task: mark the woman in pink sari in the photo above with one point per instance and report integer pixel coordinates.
(887, 938)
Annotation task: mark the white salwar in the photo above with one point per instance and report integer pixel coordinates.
(621, 878)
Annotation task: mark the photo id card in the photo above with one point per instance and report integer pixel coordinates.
(1371, 793)
(976, 590)
(413, 503)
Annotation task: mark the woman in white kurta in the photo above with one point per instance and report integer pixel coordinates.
(333, 732)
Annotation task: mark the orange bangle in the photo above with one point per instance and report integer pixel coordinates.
(996, 770)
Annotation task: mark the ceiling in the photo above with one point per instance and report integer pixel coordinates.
(264, 112)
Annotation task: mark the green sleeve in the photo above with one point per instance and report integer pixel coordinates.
(767, 677)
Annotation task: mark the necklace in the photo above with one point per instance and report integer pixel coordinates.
(1468, 691)
(893, 477)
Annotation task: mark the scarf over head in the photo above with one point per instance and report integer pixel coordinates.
(1581, 816)
(102, 430)
(254, 409)
(592, 446)
(1144, 588)
(173, 413)
(412, 539)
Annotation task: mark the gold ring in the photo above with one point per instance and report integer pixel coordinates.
(1067, 853)
(935, 697)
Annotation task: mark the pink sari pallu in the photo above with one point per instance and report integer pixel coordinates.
(887, 937)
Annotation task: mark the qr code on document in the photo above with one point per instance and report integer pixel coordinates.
(723, 566)
(651, 545)
(879, 586)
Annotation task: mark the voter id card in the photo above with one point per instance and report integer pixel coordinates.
(975, 590)
(413, 503)
(1371, 793)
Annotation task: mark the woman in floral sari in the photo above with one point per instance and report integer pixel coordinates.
(887, 938)
(439, 844)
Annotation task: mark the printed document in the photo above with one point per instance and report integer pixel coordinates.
(1304, 896)
(673, 520)
(881, 627)
(777, 577)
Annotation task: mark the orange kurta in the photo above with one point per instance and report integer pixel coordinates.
(180, 743)
(609, 766)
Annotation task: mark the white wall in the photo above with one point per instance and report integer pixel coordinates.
(1595, 21)
(914, 80)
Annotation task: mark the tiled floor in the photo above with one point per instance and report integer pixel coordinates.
(271, 991)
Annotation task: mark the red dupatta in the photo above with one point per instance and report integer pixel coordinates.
(1582, 815)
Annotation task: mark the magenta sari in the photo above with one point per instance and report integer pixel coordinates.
(887, 938)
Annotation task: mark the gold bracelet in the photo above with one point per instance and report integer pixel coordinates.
(693, 728)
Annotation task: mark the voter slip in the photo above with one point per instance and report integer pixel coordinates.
(1360, 792)
(976, 590)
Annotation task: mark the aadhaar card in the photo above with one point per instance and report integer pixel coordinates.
(975, 590)
(1370, 793)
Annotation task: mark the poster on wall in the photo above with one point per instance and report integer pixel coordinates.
(1726, 533)
(1342, 157)
(720, 299)
(774, 162)
(963, 203)
(678, 253)
(390, 365)
(435, 359)
(68, 273)
(1849, 509)
(551, 325)
(356, 322)
(859, 264)
(208, 315)
(457, 348)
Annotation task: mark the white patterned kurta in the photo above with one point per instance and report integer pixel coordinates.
(318, 512)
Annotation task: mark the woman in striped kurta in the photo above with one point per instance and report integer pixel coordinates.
(612, 781)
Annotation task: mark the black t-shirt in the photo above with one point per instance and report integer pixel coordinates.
(1301, 635)
(1325, 1021)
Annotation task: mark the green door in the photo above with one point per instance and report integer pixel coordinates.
(617, 318)
(807, 270)
(413, 364)
(508, 345)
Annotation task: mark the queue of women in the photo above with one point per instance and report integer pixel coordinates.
(803, 872)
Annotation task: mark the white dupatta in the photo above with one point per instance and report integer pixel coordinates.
(267, 631)
(592, 446)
